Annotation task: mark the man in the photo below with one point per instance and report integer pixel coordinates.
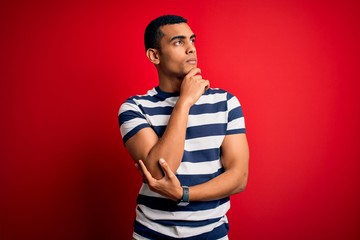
(187, 139)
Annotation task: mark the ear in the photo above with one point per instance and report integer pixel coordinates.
(153, 55)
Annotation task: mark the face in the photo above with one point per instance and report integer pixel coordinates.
(177, 53)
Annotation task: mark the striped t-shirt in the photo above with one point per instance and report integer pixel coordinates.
(217, 113)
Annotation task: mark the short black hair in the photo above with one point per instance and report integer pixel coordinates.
(153, 33)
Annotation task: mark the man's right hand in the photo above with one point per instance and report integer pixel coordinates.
(193, 86)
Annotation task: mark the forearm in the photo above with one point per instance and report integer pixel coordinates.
(235, 160)
(171, 145)
(146, 145)
(229, 183)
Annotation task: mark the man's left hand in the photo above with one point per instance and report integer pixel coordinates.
(168, 186)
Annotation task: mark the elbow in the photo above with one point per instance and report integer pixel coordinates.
(241, 184)
(154, 170)
(156, 173)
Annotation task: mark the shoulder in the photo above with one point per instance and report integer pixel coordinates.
(137, 99)
(148, 95)
(220, 95)
(220, 92)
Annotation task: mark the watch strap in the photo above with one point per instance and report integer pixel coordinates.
(184, 201)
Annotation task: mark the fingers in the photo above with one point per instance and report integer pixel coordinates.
(148, 178)
(193, 72)
(168, 172)
(139, 169)
(199, 80)
(145, 173)
(196, 78)
(195, 75)
(143, 167)
(206, 84)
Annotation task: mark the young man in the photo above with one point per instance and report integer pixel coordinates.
(187, 139)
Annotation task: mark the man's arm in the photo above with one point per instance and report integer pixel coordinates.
(235, 159)
(145, 144)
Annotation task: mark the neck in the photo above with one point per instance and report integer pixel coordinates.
(169, 84)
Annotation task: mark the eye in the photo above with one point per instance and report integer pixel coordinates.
(178, 43)
(193, 40)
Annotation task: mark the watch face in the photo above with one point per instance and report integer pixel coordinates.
(183, 204)
(185, 197)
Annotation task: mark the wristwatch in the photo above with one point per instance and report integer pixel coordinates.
(184, 201)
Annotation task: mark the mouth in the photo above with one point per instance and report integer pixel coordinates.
(192, 61)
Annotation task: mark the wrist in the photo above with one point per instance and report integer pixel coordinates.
(183, 103)
(179, 194)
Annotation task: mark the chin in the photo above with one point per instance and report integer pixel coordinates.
(187, 70)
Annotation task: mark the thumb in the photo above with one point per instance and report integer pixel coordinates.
(168, 172)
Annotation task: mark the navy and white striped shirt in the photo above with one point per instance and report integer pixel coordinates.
(216, 114)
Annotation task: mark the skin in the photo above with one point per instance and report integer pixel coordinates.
(176, 63)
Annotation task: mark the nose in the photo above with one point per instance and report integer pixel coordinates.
(191, 49)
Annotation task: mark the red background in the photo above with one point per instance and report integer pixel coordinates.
(67, 66)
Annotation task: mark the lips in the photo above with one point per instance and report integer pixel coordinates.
(191, 61)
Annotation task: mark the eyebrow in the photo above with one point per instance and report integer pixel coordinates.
(181, 37)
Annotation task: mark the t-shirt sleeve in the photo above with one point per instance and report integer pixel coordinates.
(131, 120)
(236, 121)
